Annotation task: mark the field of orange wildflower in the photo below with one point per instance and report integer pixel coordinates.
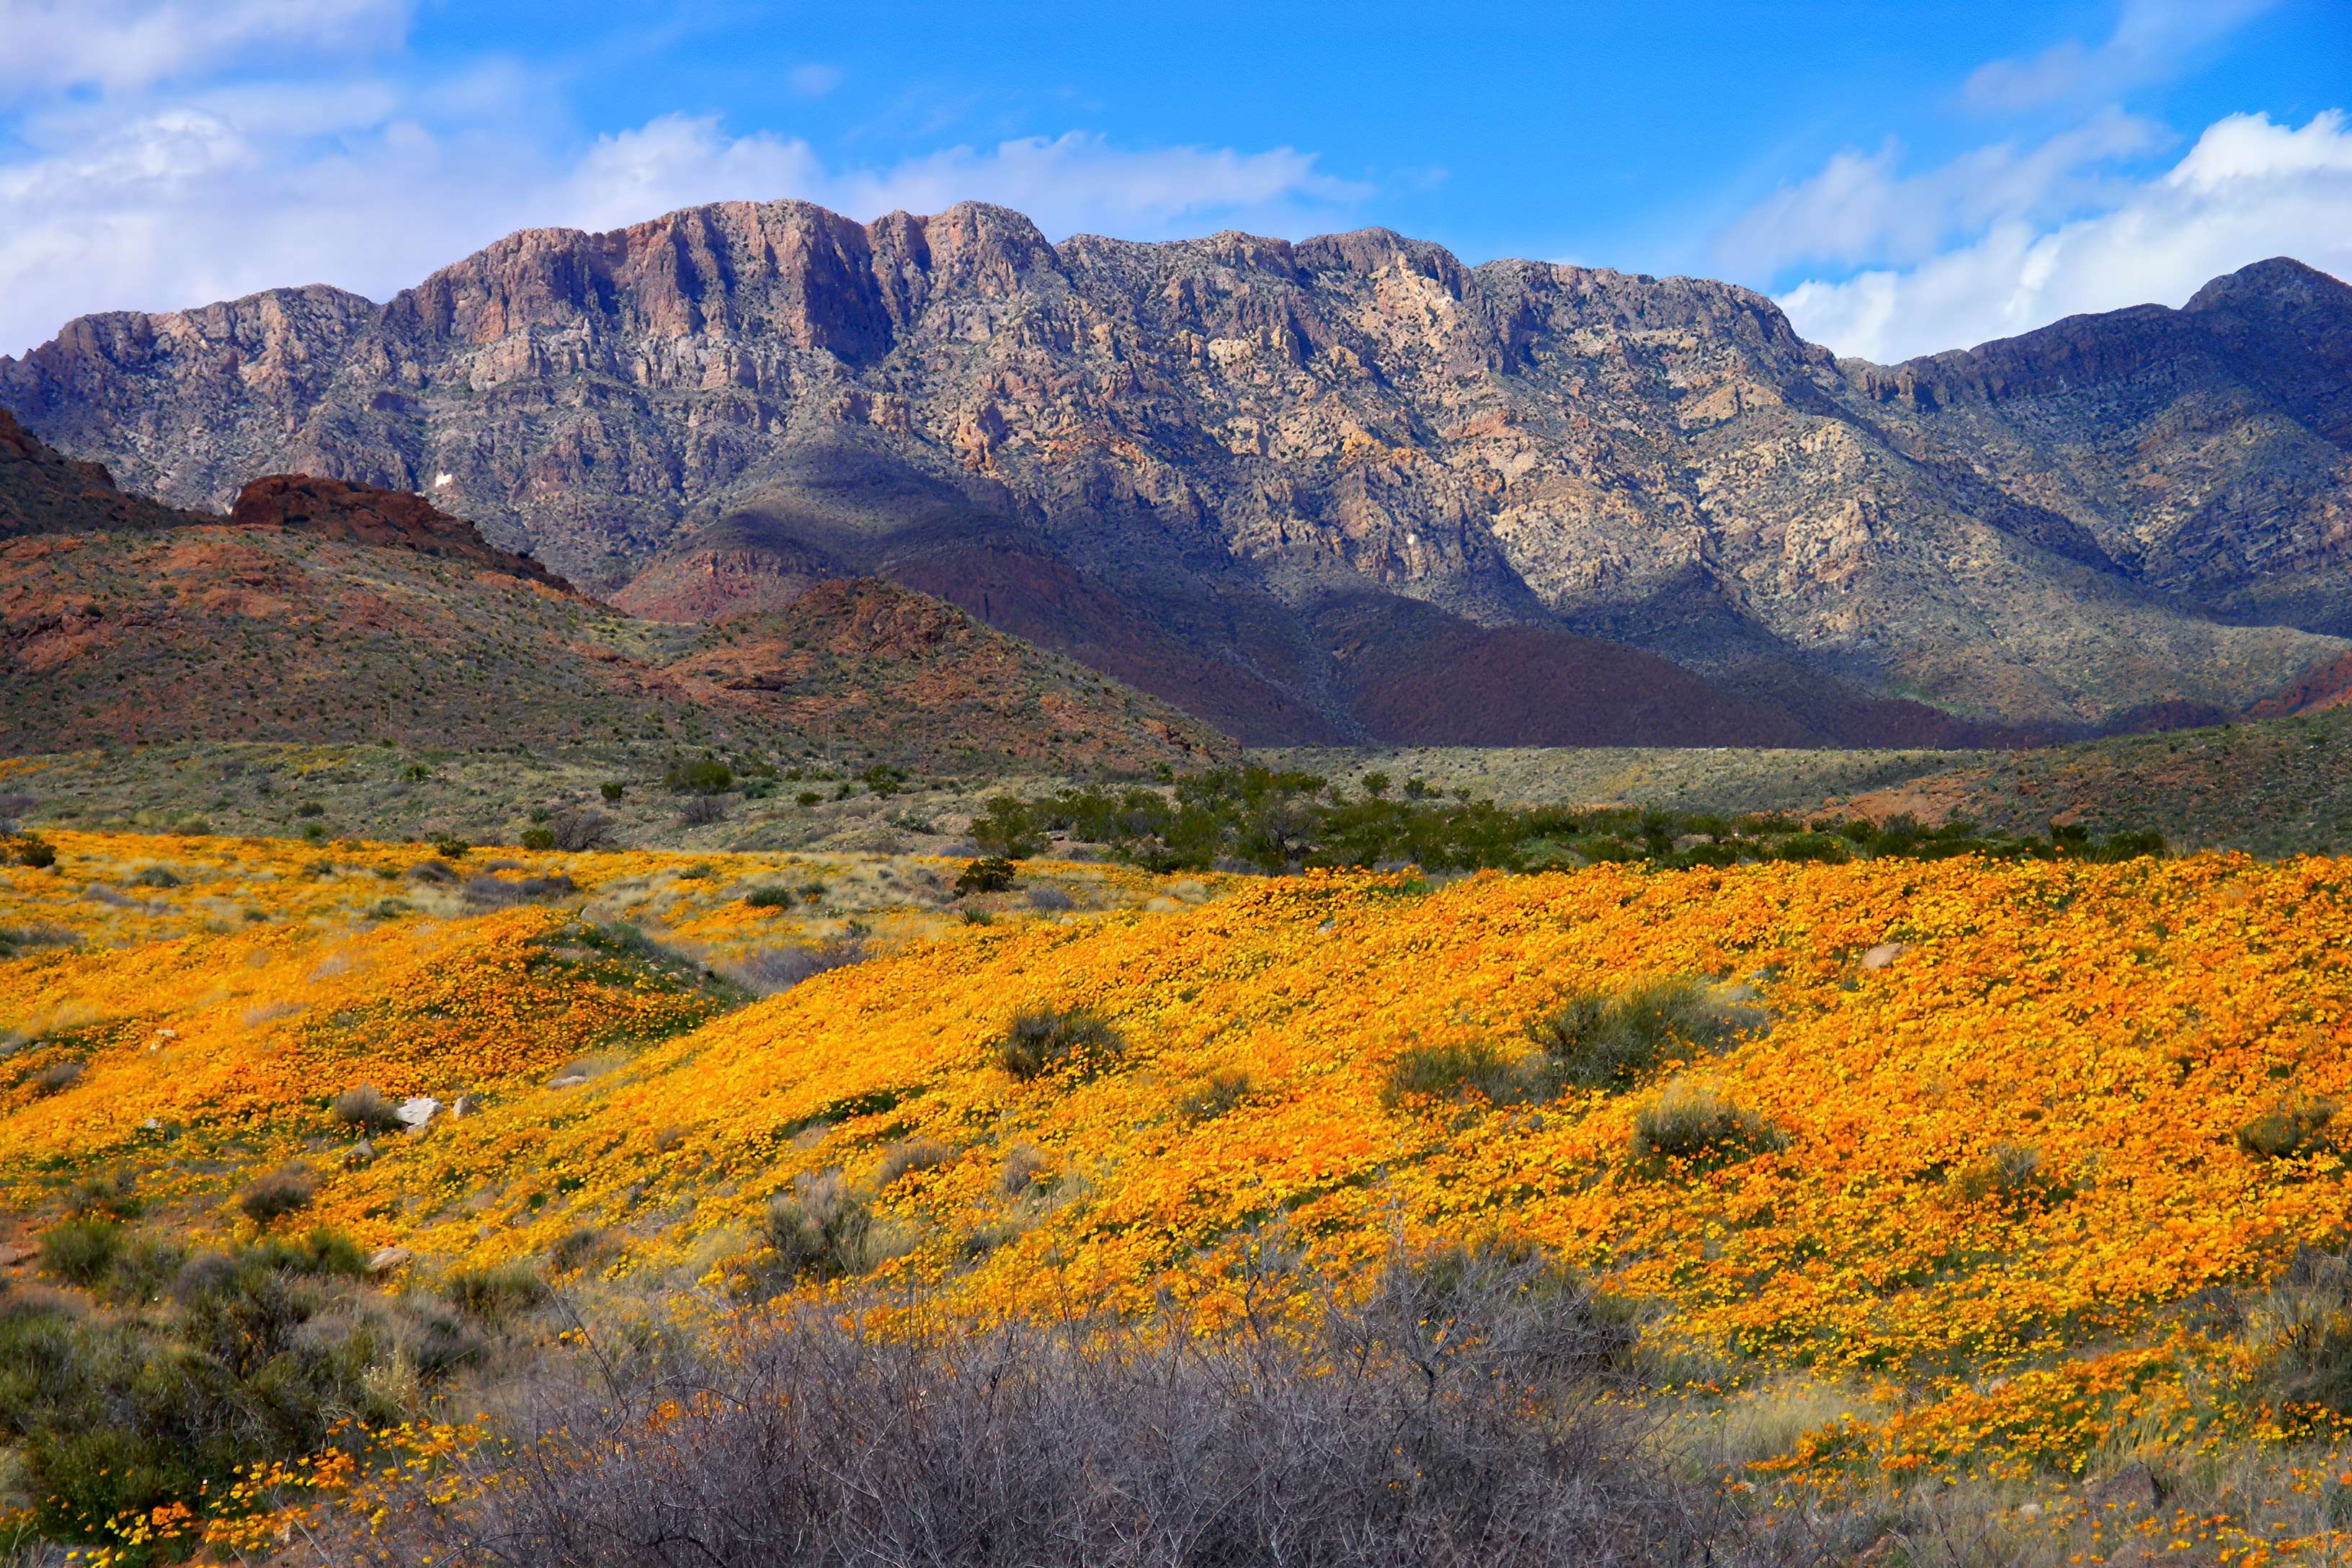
(2011, 1228)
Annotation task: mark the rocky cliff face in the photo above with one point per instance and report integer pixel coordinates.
(1195, 464)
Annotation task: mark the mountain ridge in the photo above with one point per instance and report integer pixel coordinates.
(1218, 441)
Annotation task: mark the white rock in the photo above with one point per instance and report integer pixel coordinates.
(388, 1259)
(1884, 953)
(418, 1110)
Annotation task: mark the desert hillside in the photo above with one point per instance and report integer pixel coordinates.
(1726, 1098)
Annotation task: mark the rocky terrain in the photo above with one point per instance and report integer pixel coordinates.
(1300, 490)
(44, 492)
(326, 611)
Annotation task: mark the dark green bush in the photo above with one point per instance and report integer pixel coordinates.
(537, 838)
(768, 897)
(1045, 1041)
(35, 853)
(1007, 829)
(613, 789)
(701, 776)
(985, 876)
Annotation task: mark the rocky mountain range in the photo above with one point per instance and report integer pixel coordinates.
(1342, 489)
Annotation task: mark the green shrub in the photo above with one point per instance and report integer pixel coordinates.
(1609, 1042)
(35, 853)
(2289, 1130)
(613, 789)
(537, 838)
(451, 848)
(155, 877)
(991, 875)
(702, 775)
(277, 1194)
(1007, 829)
(808, 797)
(1043, 1040)
(1446, 1071)
(82, 1251)
(822, 1229)
(1693, 1125)
(768, 897)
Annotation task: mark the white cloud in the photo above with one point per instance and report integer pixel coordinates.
(814, 80)
(370, 185)
(130, 43)
(1860, 208)
(1067, 183)
(2249, 189)
(2151, 39)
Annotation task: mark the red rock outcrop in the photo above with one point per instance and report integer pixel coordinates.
(389, 520)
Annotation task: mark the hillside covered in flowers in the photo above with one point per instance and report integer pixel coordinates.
(2019, 1177)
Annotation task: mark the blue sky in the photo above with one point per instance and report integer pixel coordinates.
(1904, 178)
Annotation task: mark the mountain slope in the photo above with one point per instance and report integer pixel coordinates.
(1210, 443)
(323, 611)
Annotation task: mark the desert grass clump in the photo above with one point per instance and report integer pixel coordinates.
(2012, 1176)
(1025, 1166)
(1692, 1125)
(2289, 1130)
(2301, 1329)
(280, 1192)
(1219, 1092)
(496, 1293)
(1608, 1042)
(1448, 1072)
(82, 1251)
(1046, 1040)
(364, 1109)
(823, 1229)
(57, 1078)
(772, 970)
(902, 1160)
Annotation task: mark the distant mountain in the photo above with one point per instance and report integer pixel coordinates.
(327, 611)
(1342, 489)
